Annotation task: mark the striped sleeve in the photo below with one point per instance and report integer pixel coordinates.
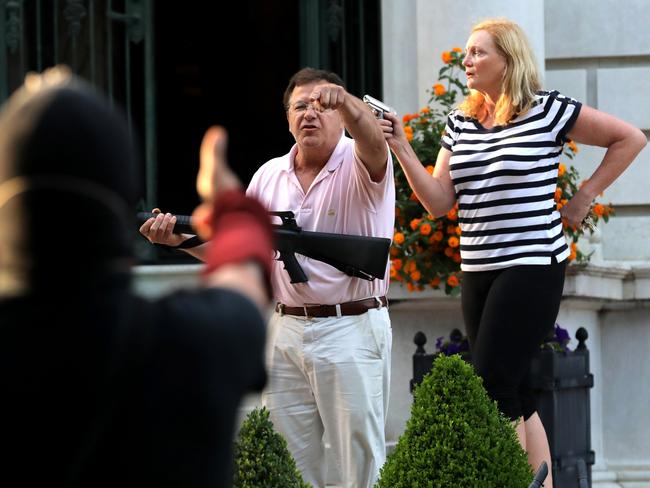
(570, 109)
(450, 136)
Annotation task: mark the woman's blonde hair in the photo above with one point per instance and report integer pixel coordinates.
(521, 79)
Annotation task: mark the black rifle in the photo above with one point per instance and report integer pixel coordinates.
(361, 256)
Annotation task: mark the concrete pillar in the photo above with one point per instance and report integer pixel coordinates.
(399, 27)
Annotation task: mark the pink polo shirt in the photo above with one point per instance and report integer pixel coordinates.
(343, 200)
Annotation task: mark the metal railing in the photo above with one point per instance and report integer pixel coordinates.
(110, 43)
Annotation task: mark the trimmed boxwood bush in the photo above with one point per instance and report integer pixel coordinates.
(455, 436)
(262, 459)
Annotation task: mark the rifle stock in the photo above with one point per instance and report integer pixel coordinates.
(361, 256)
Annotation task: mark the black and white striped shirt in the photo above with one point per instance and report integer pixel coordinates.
(505, 180)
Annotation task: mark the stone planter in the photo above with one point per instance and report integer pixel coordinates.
(562, 381)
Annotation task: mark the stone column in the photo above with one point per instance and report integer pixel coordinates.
(399, 28)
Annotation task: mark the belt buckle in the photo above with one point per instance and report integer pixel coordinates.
(280, 309)
(380, 303)
(305, 306)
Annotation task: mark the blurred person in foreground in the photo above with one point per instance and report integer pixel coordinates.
(101, 387)
(499, 161)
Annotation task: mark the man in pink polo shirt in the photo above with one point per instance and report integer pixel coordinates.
(329, 367)
(329, 339)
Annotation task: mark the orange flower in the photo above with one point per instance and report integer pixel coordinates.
(398, 212)
(453, 241)
(398, 238)
(439, 89)
(416, 275)
(408, 131)
(429, 169)
(572, 146)
(451, 229)
(413, 197)
(438, 235)
(446, 57)
(425, 110)
(397, 264)
(393, 272)
(449, 252)
(558, 194)
(453, 281)
(574, 251)
(414, 223)
(408, 117)
(457, 49)
(410, 287)
(425, 229)
(456, 257)
(452, 214)
(599, 209)
(434, 282)
(394, 252)
(561, 170)
(458, 231)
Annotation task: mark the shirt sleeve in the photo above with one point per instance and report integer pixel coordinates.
(450, 134)
(374, 192)
(568, 112)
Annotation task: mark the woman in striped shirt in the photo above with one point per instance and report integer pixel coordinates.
(499, 160)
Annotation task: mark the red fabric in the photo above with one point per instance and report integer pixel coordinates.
(241, 231)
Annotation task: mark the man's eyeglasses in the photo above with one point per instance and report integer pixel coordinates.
(302, 107)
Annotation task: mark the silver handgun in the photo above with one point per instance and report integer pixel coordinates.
(378, 107)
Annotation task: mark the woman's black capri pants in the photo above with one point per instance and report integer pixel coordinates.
(508, 313)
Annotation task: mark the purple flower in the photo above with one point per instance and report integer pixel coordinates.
(558, 341)
(456, 344)
(561, 335)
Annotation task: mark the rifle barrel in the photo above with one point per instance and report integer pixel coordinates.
(183, 222)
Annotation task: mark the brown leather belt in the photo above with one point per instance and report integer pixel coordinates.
(347, 308)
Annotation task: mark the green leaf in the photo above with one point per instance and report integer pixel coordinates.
(262, 459)
(455, 436)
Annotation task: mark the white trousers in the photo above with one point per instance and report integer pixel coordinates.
(331, 375)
